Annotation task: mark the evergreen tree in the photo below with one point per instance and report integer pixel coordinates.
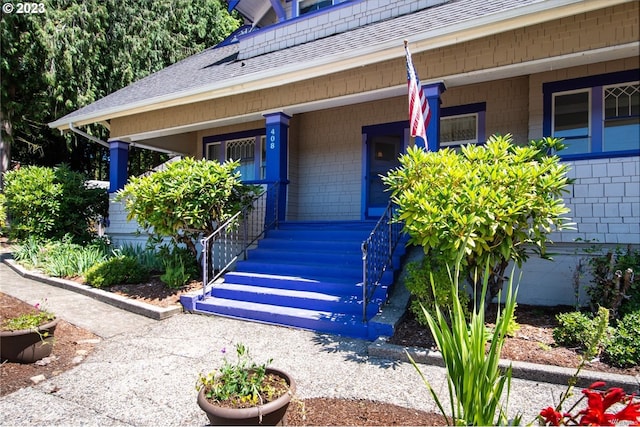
(78, 51)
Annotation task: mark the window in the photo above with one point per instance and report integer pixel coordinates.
(458, 130)
(571, 121)
(621, 117)
(248, 149)
(597, 116)
(302, 7)
(462, 125)
(307, 6)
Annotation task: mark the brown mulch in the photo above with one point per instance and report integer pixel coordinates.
(155, 292)
(533, 342)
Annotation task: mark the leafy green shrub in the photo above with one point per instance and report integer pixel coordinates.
(623, 348)
(573, 329)
(584, 331)
(179, 266)
(186, 199)
(506, 198)
(119, 269)
(50, 203)
(616, 281)
(418, 283)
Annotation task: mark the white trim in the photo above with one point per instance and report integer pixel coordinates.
(365, 55)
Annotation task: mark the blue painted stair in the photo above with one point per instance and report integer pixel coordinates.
(305, 275)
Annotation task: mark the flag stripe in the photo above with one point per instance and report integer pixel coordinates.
(419, 112)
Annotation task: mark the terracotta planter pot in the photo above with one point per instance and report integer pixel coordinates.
(27, 345)
(273, 413)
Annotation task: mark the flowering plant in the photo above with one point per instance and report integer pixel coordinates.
(598, 402)
(241, 384)
(32, 320)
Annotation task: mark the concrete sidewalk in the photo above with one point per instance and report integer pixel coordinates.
(144, 371)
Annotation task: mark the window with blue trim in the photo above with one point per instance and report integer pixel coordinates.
(597, 116)
(248, 149)
(302, 7)
(462, 125)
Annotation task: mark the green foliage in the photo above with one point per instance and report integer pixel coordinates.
(187, 199)
(50, 203)
(584, 331)
(616, 282)
(623, 348)
(38, 317)
(426, 296)
(179, 266)
(147, 256)
(119, 269)
(3, 213)
(81, 50)
(507, 198)
(240, 383)
(27, 252)
(59, 258)
(475, 381)
(572, 329)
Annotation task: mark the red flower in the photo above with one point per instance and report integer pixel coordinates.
(631, 412)
(551, 416)
(598, 402)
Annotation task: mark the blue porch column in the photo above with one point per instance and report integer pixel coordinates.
(118, 160)
(433, 92)
(277, 140)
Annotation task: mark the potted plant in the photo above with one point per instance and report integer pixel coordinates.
(245, 393)
(28, 337)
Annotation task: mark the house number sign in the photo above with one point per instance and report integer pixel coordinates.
(272, 139)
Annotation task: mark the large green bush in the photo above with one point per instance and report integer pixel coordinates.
(507, 199)
(115, 270)
(623, 349)
(186, 200)
(50, 203)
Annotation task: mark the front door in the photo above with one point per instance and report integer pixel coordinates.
(382, 152)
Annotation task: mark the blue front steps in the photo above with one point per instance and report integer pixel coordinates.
(304, 275)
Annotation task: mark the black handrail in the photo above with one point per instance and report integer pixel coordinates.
(224, 246)
(377, 254)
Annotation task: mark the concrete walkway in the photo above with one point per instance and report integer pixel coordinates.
(144, 371)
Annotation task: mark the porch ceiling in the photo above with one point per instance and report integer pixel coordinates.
(497, 73)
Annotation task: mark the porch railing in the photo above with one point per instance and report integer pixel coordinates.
(232, 239)
(377, 254)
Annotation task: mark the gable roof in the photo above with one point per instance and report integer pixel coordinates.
(216, 72)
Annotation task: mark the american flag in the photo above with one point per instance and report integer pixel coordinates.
(419, 113)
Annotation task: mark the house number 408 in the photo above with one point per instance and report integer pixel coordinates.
(272, 139)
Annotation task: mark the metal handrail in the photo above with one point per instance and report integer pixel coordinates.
(377, 253)
(237, 234)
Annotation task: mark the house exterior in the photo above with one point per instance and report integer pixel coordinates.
(313, 94)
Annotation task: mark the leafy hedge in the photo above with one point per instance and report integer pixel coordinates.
(46, 203)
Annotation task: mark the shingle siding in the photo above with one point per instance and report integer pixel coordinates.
(606, 192)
